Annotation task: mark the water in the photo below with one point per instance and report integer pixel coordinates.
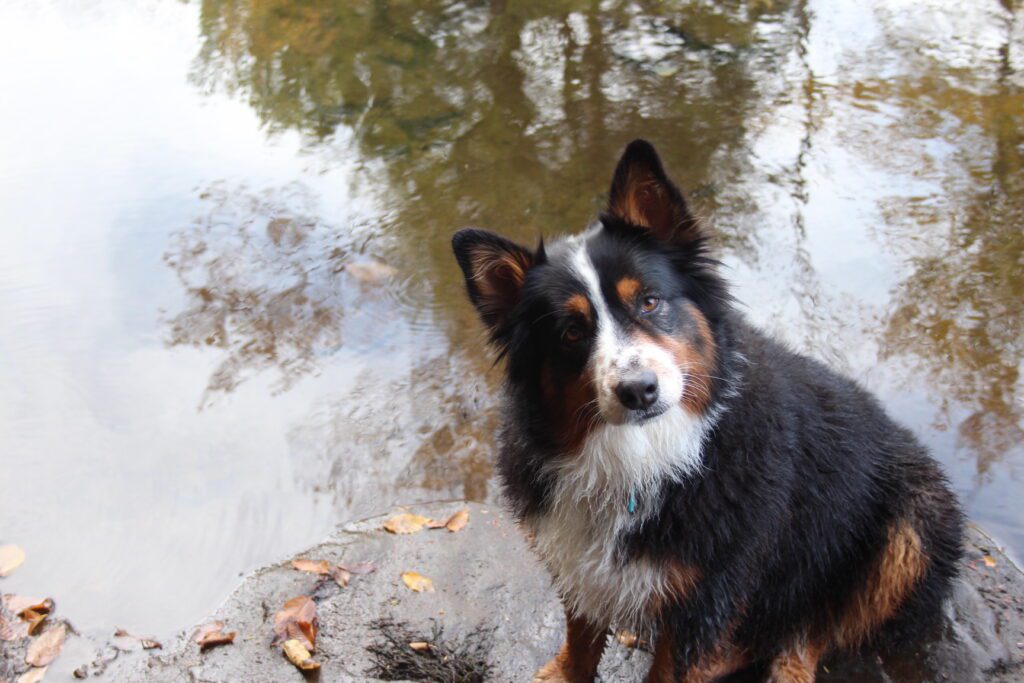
(230, 314)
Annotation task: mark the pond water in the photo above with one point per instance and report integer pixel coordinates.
(231, 318)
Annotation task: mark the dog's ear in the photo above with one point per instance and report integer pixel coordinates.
(495, 270)
(643, 196)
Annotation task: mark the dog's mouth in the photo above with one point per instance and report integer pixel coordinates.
(639, 417)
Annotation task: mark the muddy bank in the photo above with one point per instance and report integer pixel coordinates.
(487, 585)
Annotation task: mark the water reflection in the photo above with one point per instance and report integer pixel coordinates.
(265, 282)
(804, 131)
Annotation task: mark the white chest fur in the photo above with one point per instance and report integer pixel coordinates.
(577, 537)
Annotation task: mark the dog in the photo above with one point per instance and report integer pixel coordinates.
(685, 476)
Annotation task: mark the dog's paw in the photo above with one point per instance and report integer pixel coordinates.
(551, 673)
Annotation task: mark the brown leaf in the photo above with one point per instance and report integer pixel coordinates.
(989, 561)
(32, 675)
(297, 621)
(298, 655)
(405, 523)
(34, 620)
(436, 523)
(458, 521)
(419, 646)
(312, 566)
(11, 557)
(19, 603)
(212, 635)
(417, 582)
(45, 648)
(205, 629)
(359, 568)
(341, 575)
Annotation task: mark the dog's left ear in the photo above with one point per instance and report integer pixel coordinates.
(643, 196)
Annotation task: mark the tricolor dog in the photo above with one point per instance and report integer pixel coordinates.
(685, 476)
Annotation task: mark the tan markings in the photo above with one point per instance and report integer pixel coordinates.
(577, 661)
(571, 406)
(796, 664)
(680, 581)
(628, 289)
(725, 659)
(498, 275)
(696, 358)
(578, 304)
(898, 569)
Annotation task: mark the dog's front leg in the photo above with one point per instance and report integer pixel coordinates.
(577, 661)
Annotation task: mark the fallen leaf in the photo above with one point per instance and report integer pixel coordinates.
(405, 523)
(298, 655)
(32, 675)
(297, 621)
(417, 582)
(205, 629)
(19, 603)
(359, 568)
(458, 521)
(11, 557)
(34, 620)
(436, 523)
(419, 646)
(341, 576)
(312, 566)
(212, 635)
(989, 561)
(45, 648)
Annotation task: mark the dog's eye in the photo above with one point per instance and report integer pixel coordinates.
(649, 304)
(573, 333)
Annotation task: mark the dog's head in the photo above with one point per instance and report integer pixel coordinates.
(615, 325)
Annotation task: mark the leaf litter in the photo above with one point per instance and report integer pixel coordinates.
(213, 634)
(297, 620)
(417, 582)
(45, 648)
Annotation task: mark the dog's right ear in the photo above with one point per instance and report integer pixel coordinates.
(495, 270)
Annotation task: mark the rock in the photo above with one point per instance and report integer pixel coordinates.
(485, 577)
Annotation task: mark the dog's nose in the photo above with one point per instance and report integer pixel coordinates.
(639, 391)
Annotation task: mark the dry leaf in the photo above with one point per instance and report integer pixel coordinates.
(989, 561)
(341, 576)
(298, 655)
(19, 603)
(32, 675)
(297, 621)
(417, 582)
(405, 523)
(11, 557)
(46, 647)
(359, 568)
(312, 566)
(458, 521)
(436, 523)
(212, 635)
(34, 620)
(419, 646)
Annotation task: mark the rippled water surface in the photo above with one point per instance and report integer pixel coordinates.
(230, 318)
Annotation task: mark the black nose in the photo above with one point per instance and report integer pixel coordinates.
(639, 391)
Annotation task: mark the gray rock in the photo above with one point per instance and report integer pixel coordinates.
(486, 577)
